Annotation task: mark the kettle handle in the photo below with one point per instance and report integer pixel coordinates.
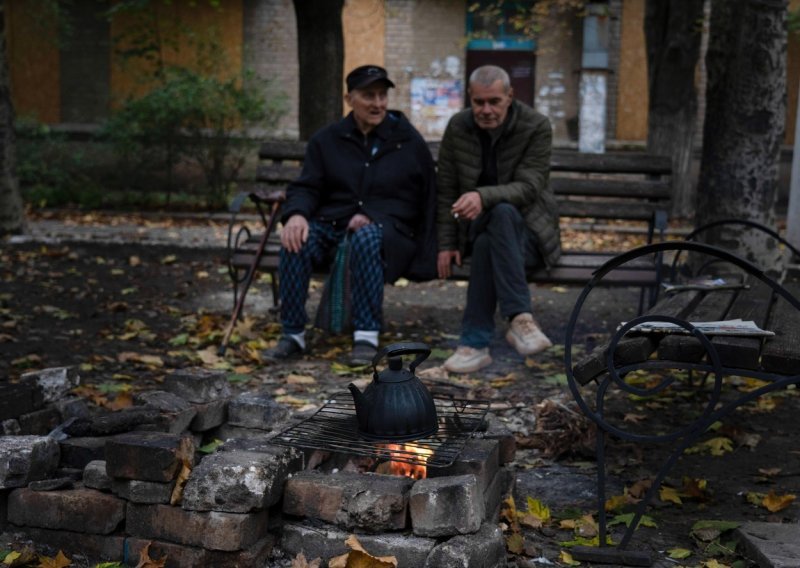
(396, 349)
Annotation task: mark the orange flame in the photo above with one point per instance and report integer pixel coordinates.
(412, 470)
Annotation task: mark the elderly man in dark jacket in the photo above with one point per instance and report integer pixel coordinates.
(371, 176)
(495, 203)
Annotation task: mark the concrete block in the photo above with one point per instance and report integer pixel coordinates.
(770, 545)
(181, 556)
(80, 510)
(229, 432)
(213, 530)
(484, 549)
(370, 502)
(239, 482)
(19, 398)
(260, 445)
(137, 491)
(148, 456)
(3, 509)
(78, 452)
(72, 407)
(26, 458)
(39, 422)
(10, 427)
(497, 430)
(209, 415)
(446, 506)
(55, 382)
(501, 486)
(98, 548)
(479, 458)
(177, 412)
(95, 476)
(52, 484)
(254, 410)
(198, 385)
(326, 541)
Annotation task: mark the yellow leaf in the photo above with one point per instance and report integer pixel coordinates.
(11, 557)
(566, 558)
(617, 502)
(531, 521)
(60, 561)
(291, 400)
(568, 524)
(720, 445)
(401, 283)
(515, 543)
(294, 379)
(508, 511)
(679, 553)
(169, 259)
(714, 563)
(754, 498)
(300, 561)
(180, 482)
(774, 503)
(587, 526)
(669, 494)
(24, 558)
(360, 558)
(539, 509)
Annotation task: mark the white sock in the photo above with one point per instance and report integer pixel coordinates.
(299, 338)
(370, 337)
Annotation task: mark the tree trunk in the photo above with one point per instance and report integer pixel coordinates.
(744, 124)
(12, 218)
(673, 29)
(320, 48)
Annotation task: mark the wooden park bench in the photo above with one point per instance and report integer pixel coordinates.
(625, 186)
(646, 365)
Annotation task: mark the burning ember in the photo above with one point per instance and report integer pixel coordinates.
(409, 452)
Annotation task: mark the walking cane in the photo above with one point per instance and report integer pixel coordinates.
(251, 272)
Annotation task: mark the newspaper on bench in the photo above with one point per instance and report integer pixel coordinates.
(724, 327)
(704, 284)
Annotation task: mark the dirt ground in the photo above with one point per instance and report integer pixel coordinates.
(127, 314)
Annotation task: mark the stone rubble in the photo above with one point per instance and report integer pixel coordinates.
(113, 483)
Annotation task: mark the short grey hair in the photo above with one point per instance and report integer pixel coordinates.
(486, 75)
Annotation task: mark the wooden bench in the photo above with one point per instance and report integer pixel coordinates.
(617, 186)
(669, 359)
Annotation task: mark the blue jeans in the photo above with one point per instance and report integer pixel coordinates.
(366, 274)
(502, 247)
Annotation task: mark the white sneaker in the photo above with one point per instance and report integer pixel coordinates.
(526, 337)
(468, 360)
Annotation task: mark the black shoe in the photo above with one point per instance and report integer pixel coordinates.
(286, 348)
(362, 354)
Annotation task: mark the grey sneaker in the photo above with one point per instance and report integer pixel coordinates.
(526, 337)
(362, 354)
(286, 348)
(468, 360)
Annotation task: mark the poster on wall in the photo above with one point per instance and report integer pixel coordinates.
(433, 102)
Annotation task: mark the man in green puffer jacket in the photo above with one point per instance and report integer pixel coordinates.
(495, 204)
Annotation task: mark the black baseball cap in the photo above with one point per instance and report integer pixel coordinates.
(365, 75)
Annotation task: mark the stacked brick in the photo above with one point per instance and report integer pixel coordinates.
(448, 519)
(109, 494)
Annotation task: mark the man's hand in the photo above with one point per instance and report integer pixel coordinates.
(468, 206)
(445, 260)
(294, 233)
(357, 221)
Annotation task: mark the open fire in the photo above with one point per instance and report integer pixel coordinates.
(406, 451)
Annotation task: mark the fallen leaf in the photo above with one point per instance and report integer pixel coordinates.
(714, 563)
(300, 561)
(515, 543)
(169, 259)
(294, 379)
(146, 562)
(566, 558)
(669, 494)
(180, 482)
(770, 472)
(707, 531)
(360, 558)
(538, 509)
(633, 418)
(679, 553)
(774, 503)
(60, 561)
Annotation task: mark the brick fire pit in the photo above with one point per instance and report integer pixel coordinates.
(108, 486)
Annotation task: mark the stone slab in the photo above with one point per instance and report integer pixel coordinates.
(229, 432)
(98, 548)
(181, 556)
(176, 412)
(54, 382)
(148, 456)
(3, 509)
(255, 410)
(770, 545)
(209, 415)
(326, 541)
(370, 502)
(79, 452)
(137, 491)
(95, 476)
(484, 549)
(212, 530)
(479, 458)
(72, 407)
(501, 486)
(239, 482)
(19, 398)
(446, 506)
(81, 510)
(198, 385)
(10, 427)
(39, 422)
(26, 458)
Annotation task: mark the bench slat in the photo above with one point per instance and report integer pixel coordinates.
(607, 209)
(645, 189)
(633, 349)
(780, 353)
(712, 307)
(753, 304)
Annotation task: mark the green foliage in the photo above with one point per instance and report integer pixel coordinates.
(188, 114)
(794, 21)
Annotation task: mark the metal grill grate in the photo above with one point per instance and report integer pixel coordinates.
(334, 428)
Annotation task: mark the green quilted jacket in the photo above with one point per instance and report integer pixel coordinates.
(523, 168)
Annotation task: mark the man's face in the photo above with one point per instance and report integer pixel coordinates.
(369, 105)
(490, 104)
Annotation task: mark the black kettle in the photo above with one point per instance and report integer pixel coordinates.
(396, 406)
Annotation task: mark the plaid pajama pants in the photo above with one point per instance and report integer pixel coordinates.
(366, 275)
